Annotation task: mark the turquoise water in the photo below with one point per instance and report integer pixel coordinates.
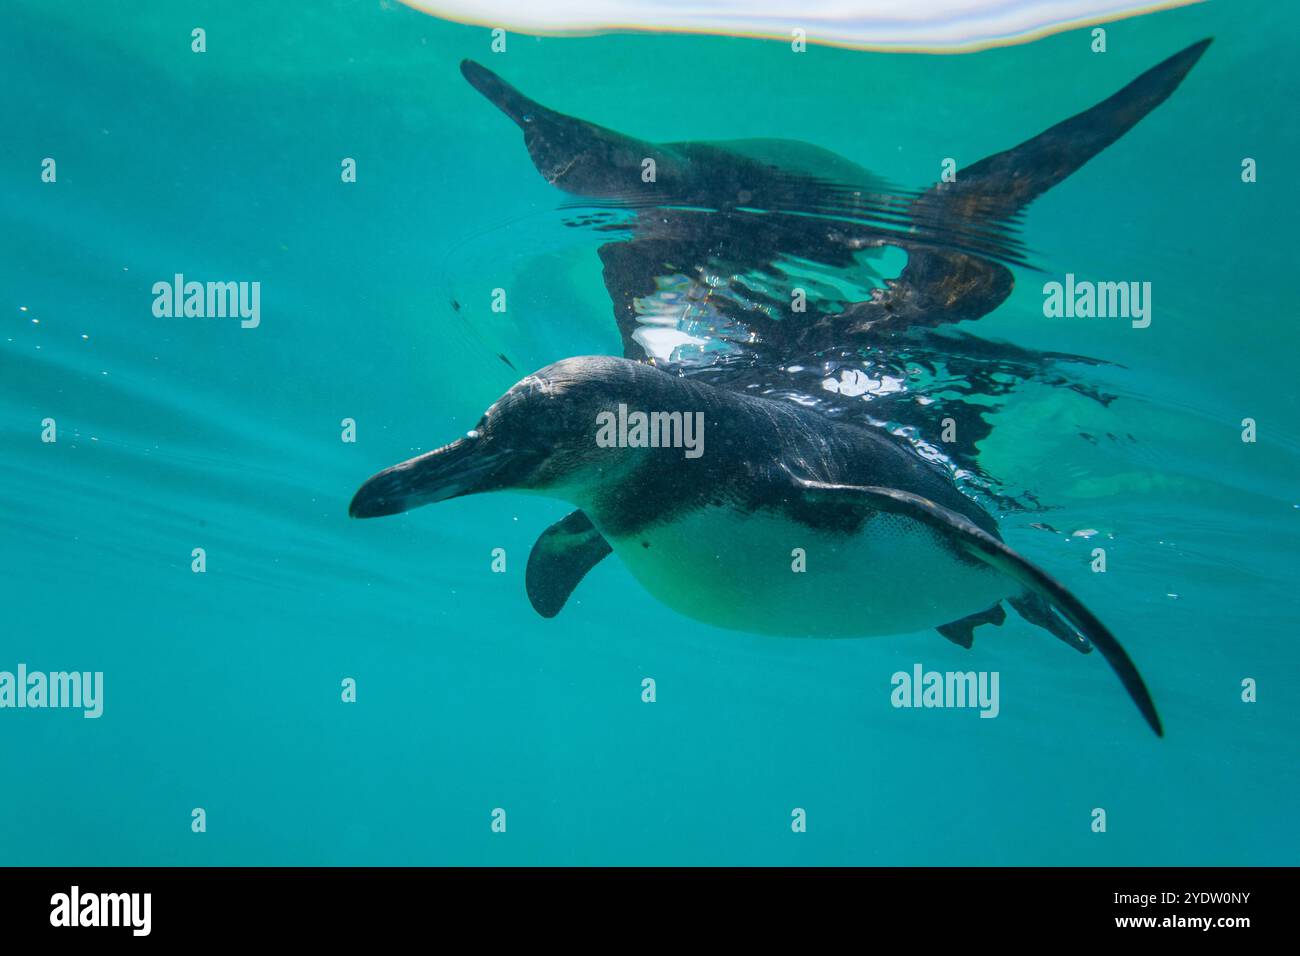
(222, 689)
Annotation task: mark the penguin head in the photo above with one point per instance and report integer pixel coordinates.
(571, 154)
(540, 436)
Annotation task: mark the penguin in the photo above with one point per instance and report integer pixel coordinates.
(737, 457)
(706, 493)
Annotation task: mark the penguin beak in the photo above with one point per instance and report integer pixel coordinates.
(461, 468)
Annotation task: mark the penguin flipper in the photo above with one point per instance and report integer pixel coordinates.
(962, 631)
(973, 540)
(560, 558)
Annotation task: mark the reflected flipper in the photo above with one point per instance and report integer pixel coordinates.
(943, 285)
(1001, 185)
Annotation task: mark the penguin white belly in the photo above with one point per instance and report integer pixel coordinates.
(738, 570)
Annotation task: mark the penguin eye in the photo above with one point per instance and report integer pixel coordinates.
(528, 117)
